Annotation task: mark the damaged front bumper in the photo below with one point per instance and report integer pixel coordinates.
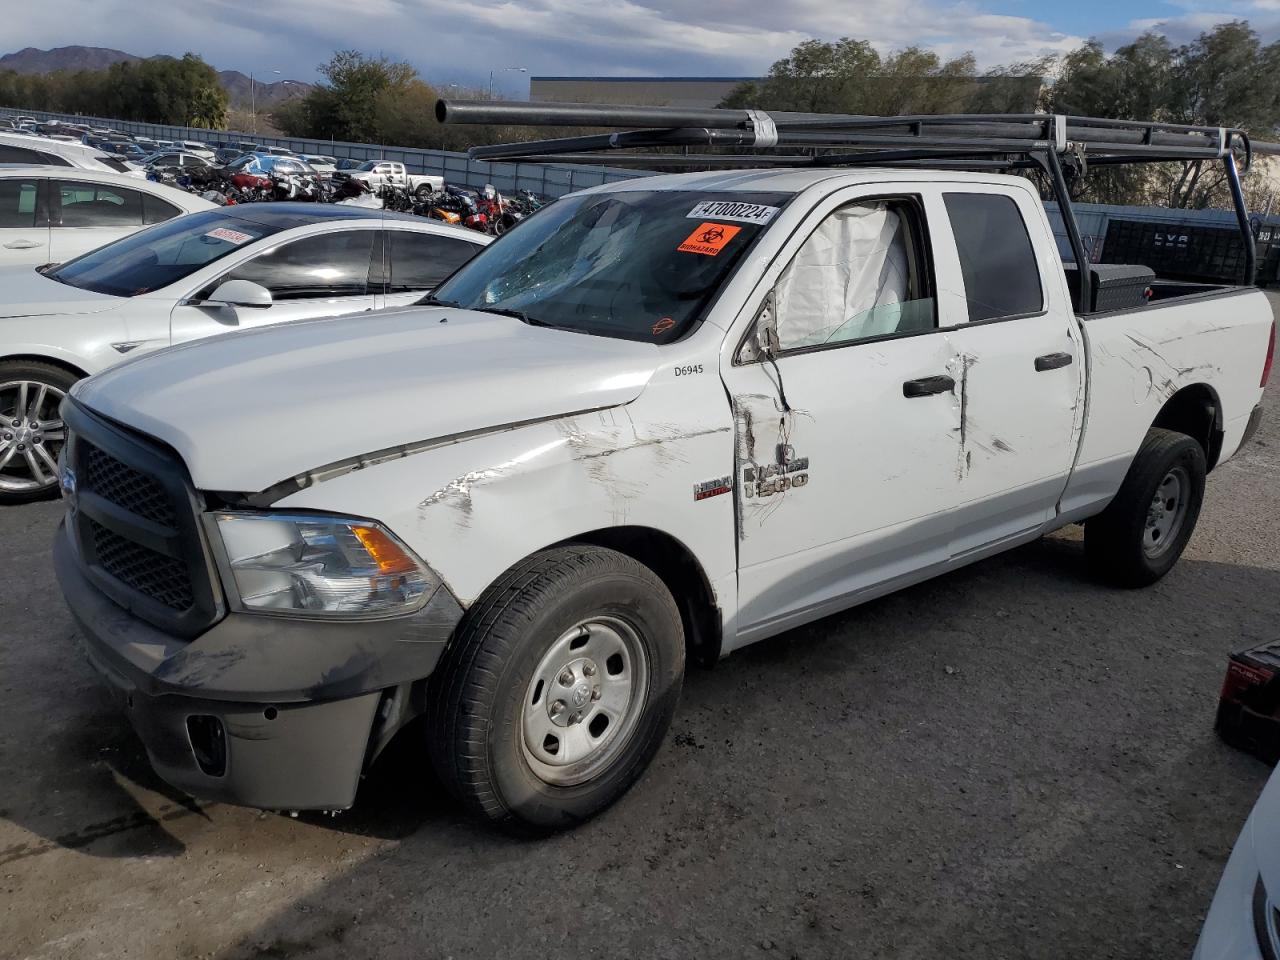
(262, 711)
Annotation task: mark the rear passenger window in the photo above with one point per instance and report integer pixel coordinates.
(419, 261)
(860, 274)
(18, 203)
(96, 205)
(1001, 277)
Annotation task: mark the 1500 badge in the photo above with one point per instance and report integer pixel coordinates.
(775, 478)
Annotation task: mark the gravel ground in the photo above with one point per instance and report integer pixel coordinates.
(1011, 761)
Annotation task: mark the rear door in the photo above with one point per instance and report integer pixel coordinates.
(414, 263)
(1020, 375)
(24, 220)
(321, 275)
(85, 215)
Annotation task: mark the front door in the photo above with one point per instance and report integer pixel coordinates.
(326, 274)
(846, 460)
(24, 221)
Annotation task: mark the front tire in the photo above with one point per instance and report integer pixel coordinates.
(558, 689)
(31, 429)
(1141, 534)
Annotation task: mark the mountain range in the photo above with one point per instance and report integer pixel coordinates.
(73, 58)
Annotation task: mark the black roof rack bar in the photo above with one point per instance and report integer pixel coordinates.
(1138, 141)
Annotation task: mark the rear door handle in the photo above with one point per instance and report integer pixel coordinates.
(1052, 361)
(927, 386)
(22, 244)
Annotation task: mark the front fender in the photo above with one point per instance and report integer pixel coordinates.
(475, 508)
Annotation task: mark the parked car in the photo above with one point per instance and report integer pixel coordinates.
(1244, 920)
(265, 164)
(658, 419)
(174, 158)
(20, 148)
(348, 163)
(378, 172)
(197, 148)
(229, 268)
(322, 165)
(128, 150)
(225, 155)
(50, 214)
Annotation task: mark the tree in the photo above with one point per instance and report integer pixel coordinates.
(1225, 77)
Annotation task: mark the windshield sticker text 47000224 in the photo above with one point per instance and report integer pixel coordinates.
(732, 210)
(708, 239)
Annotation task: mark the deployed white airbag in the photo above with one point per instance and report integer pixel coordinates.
(850, 268)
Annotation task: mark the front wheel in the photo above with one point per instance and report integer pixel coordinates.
(1143, 531)
(31, 429)
(558, 689)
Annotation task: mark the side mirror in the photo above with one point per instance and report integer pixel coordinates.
(240, 293)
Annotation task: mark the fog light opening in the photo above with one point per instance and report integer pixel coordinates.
(209, 744)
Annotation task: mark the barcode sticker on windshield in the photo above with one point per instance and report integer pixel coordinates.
(732, 210)
(231, 236)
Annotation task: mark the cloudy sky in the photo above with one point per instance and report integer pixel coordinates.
(458, 41)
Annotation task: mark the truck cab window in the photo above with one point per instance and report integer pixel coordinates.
(858, 275)
(997, 261)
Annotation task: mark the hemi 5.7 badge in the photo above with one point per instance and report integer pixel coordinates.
(712, 488)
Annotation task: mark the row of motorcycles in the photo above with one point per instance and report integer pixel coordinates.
(486, 210)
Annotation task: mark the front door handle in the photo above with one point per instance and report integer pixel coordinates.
(1052, 361)
(927, 386)
(22, 244)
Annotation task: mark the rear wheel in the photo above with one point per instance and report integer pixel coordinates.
(1143, 531)
(558, 689)
(31, 429)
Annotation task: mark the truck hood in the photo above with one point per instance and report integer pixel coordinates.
(31, 294)
(249, 410)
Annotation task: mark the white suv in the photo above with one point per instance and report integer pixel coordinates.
(27, 149)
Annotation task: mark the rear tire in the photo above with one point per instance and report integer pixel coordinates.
(558, 689)
(31, 429)
(1141, 534)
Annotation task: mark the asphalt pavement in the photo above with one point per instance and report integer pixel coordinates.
(1010, 761)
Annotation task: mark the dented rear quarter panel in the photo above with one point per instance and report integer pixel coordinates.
(1141, 358)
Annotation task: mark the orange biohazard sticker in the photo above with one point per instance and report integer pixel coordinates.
(708, 239)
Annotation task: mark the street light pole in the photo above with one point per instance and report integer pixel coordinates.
(504, 70)
(253, 103)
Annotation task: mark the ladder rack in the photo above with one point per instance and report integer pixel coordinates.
(758, 138)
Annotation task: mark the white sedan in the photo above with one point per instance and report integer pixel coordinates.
(52, 213)
(225, 269)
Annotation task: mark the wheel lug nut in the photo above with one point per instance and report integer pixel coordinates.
(588, 669)
(595, 693)
(36, 439)
(557, 708)
(21, 447)
(576, 718)
(566, 678)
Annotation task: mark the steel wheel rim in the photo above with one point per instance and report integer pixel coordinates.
(1166, 513)
(584, 701)
(31, 435)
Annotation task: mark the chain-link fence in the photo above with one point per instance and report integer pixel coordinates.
(545, 179)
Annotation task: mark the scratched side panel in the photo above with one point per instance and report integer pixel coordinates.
(1139, 360)
(474, 508)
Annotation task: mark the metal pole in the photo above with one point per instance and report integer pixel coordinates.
(1073, 230)
(253, 107)
(1242, 218)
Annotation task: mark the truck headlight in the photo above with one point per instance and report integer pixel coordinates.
(311, 563)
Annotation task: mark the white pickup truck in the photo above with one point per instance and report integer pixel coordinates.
(663, 419)
(376, 173)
